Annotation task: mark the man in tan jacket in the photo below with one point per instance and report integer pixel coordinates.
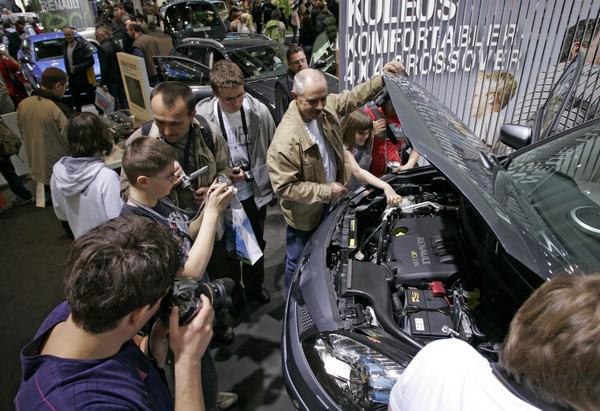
(42, 118)
(305, 159)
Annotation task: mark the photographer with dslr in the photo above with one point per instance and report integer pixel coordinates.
(83, 356)
(248, 127)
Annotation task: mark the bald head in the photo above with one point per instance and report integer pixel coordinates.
(306, 78)
(310, 93)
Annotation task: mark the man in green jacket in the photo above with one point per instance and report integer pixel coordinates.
(305, 159)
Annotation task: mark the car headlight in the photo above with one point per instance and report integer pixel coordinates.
(363, 372)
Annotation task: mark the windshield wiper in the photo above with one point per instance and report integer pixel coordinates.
(485, 160)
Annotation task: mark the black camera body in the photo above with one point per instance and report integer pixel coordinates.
(244, 166)
(186, 293)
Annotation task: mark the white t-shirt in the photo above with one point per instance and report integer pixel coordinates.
(239, 145)
(451, 375)
(327, 153)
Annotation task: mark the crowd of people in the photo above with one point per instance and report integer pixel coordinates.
(135, 234)
(235, 136)
(304, 19)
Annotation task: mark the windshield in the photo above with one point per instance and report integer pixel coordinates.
(559, 181)
(53, 48)
(261, 61)
(176, 69)
(49, 49)
(547, 117)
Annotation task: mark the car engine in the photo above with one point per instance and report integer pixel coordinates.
(407, 268)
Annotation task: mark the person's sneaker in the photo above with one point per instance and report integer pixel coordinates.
(226, 400)
(17, 201)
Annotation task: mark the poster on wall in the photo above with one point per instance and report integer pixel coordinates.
(137, 86)
(490, 62)
(56, 14)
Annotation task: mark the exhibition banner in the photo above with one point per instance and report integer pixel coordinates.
(481, 58)
(56, 14)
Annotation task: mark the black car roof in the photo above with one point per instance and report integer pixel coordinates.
(231, 42)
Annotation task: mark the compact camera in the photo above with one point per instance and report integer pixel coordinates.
(223, 179)
(244, 166)
(186, 181)
(186, 293)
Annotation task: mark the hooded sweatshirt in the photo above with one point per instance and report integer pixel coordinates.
(85, 193)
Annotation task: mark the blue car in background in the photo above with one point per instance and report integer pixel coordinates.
(40, 52)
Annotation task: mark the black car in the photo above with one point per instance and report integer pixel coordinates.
(474, 235)
(262, 61)
(193, 18)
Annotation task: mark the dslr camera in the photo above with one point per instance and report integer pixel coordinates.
(185, 295)
(244, 166)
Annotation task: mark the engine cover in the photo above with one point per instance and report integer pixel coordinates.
(424, 249)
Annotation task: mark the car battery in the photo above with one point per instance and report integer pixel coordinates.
(426, 315)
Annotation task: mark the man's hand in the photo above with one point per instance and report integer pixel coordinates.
(394, 68)
(337, 190)
(200, 195)
(219, 196)
(237, 175)
(189, 342)
(178, 171)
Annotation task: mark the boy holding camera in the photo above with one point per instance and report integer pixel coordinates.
(83, 355)
(248, 127)
(149, 165)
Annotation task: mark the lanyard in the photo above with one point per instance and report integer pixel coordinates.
(177, 230)
(244, 128)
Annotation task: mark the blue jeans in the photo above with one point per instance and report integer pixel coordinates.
(295, 240)
(118, 92)
(7, 169)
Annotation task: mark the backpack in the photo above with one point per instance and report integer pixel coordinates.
(204, 129)
(272, 31)
(10, 143)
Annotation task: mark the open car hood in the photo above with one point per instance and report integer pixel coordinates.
(443, 140)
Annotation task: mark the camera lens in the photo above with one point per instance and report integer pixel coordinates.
(186, 297)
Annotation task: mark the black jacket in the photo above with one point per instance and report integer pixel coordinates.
(109, 64)
(283, 95)
(83, 58)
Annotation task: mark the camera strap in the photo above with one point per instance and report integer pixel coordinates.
(244, 128)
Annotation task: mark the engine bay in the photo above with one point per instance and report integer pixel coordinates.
(409, 268)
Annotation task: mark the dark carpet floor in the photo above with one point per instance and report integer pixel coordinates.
(33, 251)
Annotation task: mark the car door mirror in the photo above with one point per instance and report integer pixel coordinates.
(515, 136)
(319, 64)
